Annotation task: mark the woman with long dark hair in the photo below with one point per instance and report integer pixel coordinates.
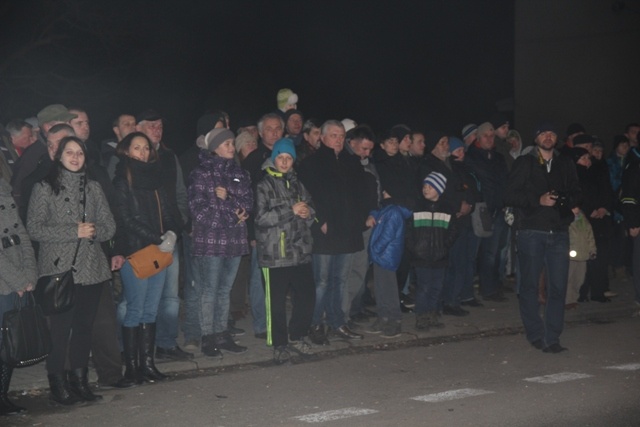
(144, 219)
(67, 210)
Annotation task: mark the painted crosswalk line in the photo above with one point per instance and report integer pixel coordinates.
(451, 395)
(338, 414)
(558, 378)
(627, 367)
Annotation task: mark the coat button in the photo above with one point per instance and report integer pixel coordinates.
(6, 230)
(13, 205)
(66, 199)
(1, 207)
(15, 225)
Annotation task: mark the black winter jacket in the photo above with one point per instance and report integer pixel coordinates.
(529, 179)
(490, 169)
(141, 205)
(338, 187)
(398, 179)
(431, 233)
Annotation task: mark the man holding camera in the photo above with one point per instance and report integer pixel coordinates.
(543, 187)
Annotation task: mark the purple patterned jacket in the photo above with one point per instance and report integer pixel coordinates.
(216, 229)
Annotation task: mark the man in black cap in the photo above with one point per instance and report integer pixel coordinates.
(543, 187)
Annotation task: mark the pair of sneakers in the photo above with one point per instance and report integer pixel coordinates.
(386, 328)
(282, 353)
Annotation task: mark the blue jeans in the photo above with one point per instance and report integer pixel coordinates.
(141, 296)
(256, 295)
(428, 288)
(538, 250)
(458, 281)
(191, 321)
(169, 308)
(490, 257)
(330, 274)
(214, 278)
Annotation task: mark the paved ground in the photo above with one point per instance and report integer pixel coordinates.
(494, 319)
(486, 381)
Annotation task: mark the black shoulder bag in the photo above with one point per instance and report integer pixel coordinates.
(55, 293)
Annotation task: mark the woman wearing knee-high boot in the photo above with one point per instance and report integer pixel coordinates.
(18, 275)
(65, 210)
(143, 219)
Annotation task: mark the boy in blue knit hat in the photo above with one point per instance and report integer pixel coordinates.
(431, 234)
(284, 215)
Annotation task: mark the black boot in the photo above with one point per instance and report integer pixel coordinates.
(147, 345)
(130, 339)
(79, 384)
(209, 347)
(6, 406)
(60, 391)
(224, 341)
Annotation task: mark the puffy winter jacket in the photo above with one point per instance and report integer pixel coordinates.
(216, 229)
(386, 244)
(283, 239)
(431, 234)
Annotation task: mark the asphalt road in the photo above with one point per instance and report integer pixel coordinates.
(491, 381)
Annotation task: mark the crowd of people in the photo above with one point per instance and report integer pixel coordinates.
(325, 216)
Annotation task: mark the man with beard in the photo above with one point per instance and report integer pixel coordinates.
(543, 187)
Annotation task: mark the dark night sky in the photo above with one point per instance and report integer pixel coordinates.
(430, 64)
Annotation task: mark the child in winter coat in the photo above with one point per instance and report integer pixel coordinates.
(582, 248)
(432, 233)
(386, 246)
(284, 215)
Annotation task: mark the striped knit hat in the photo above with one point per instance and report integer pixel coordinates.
(437, 181)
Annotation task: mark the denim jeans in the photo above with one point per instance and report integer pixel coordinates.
(169, 308)
(538, 250)
(330, 274)
(256, 295)
(141, 297)
(458, 283)
(491, 259)
(214, 278)
(428, 288)
(191, 321)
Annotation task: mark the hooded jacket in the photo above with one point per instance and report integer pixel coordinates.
(432, 232)
(216, 229)
(386, 244)
(283, 239)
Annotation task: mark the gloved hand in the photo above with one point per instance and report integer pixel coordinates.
(168, 241)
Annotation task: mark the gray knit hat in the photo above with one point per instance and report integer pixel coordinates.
(214, 139)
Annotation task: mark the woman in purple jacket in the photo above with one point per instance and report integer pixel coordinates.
(220, 199)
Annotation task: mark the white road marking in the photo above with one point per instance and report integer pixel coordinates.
(451, 395)
(627, 367)
(558, 378)
(338, 414)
